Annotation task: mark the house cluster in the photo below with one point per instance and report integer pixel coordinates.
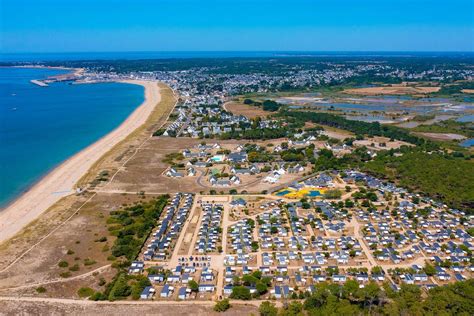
(209, 234)
(169, 227)
(210, 121)
(174, 128)
(241, 237)
(286, 280)
(175, 283)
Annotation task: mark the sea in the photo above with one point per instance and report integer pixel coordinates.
(40, 127)
(135, 55)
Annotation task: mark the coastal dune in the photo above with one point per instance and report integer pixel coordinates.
(61, 181)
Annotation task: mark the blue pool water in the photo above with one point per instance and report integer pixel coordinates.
(283, 193)
(40, 127)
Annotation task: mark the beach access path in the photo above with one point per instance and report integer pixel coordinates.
(61, 181)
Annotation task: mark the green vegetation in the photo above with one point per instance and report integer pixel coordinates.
(349, 299)
(261, 134)
(85, 292)
(423, 118)
(132, 225)
(193, 285)
(120, 288)
(170, 158)
(267, 105)
(333, 194)
(138, 285)
(89, 262)
(159, 132)
(240, 293)
(41, 290)
(449, 90)
(66, 274)
(357, 127)
(222, 306)
(440, 176)
(259, 156)
(74, 268)
(448, 126)
(63, 264)
(268, 309)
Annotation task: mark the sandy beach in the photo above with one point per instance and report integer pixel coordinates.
(61, 181)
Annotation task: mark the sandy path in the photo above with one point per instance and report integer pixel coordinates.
(60, 182)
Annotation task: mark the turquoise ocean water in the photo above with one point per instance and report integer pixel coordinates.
(40, 127)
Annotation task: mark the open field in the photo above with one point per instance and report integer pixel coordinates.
(443, 136)
(392, 90)
(381, 143)
(52, 239)
(248, 111)
(145, 171)
(32, 306)
(114, 158)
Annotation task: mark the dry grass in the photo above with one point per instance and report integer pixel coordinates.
(74, 242)
(119, 308)
(248, 111)
(113, 158)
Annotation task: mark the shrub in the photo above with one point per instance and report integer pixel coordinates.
(120, 288)
(98, 296)
(75, 267)
(63, 264)
(102, 282)
(66, 274)
(40, 289)
(139, 286)
(85, 292)
(240, 293)
(222, 306)
(267, 309)
(193, 285)
(89, 262)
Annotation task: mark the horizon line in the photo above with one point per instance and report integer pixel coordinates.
(241, 51)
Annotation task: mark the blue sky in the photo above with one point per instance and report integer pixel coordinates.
(208, 25)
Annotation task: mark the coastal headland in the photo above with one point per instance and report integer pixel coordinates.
(63, 179)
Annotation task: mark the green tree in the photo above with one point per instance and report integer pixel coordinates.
(120, 288)
(222, 306)
(429, 270)
(193, 285)
(267, 309)
(240, 293)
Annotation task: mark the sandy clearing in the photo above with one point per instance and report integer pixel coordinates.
(248, 111)
(60, 182)
(392, 90)
(188, 238)
(443, 136)
(53, 306)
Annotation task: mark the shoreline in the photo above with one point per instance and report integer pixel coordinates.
(62, 180)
